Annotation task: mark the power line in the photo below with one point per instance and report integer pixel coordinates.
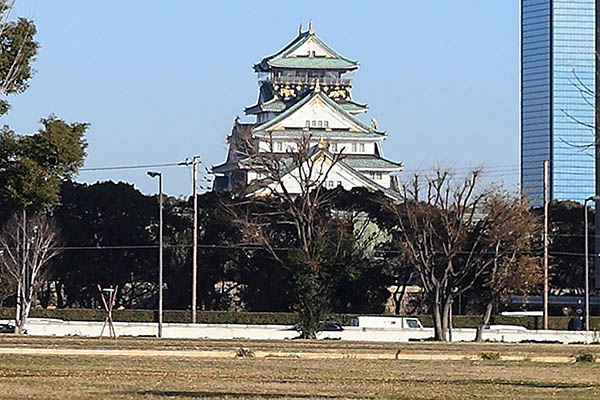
(123, 167)
(492, 169)
(248, 247)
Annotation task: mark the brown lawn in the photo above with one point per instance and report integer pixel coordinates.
(291, 374)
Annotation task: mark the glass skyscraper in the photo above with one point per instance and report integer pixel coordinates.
(558, 85)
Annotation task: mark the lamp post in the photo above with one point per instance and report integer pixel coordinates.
(195, 162)
(154, 174)
(587, 263)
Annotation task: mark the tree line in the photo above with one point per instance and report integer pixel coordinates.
(107, 235)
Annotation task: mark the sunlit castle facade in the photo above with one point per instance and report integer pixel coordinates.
(305, 91)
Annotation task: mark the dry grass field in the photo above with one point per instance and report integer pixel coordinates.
(209, 369)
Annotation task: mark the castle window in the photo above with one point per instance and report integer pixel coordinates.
(378, 176)
(354, 147)
(320, 124)
(339, 183)
(326, 124)
(362, 147)
(314, 123)
(333, 147)
(279, 146)
(307, 123)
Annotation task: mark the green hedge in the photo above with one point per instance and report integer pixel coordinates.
(472, 321)
(264, 318)
(205, 317)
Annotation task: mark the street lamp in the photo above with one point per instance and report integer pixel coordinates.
(587, 263)
(154, 174)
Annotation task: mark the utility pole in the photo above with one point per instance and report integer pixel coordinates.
(587, 261)
(195, 161)
(546, 202)
(154, 174)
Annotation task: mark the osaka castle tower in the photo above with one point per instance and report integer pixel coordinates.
(305, 95)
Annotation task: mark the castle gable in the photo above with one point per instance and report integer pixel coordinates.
(311, 48)
(316, 110)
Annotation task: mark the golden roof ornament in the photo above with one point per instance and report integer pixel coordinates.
(300, 30)
(317, 86)
(374, 124)
(310, 27)
(322, 144)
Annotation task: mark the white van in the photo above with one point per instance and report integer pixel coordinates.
(384, 321)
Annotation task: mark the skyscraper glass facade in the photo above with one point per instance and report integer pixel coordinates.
(557, 97)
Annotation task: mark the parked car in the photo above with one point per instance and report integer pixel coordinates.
(7, 328)
(327, 326)
(386, 321)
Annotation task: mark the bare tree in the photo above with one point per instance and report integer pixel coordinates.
(514, 268)
(26, 247)
(289, 197)
(445, 229)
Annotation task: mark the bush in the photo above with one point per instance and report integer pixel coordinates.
(489, 356)
(583, 357)
(244, 352)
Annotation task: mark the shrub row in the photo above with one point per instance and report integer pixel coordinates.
(175, 316)
(472, 321)
(264, 318)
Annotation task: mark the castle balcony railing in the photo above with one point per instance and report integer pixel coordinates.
(327, 79)
(310, 80)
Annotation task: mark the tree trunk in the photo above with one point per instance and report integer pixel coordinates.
(487, 316)
(448, 317)
(19, 306)
(447, 309)
(26, 302)
(398, 299)
(22, 285)
(60, 301)
(44, 295)
(438, 318)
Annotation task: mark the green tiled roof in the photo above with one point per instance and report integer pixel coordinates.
(272, 105)
(371, 162)
(280, 59)
(354, 107)
(311, 62)
(276, 105)
(371, 183)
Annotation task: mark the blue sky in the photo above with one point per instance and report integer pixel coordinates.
(160, 81)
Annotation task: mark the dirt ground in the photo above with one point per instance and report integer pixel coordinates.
(159, 369)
